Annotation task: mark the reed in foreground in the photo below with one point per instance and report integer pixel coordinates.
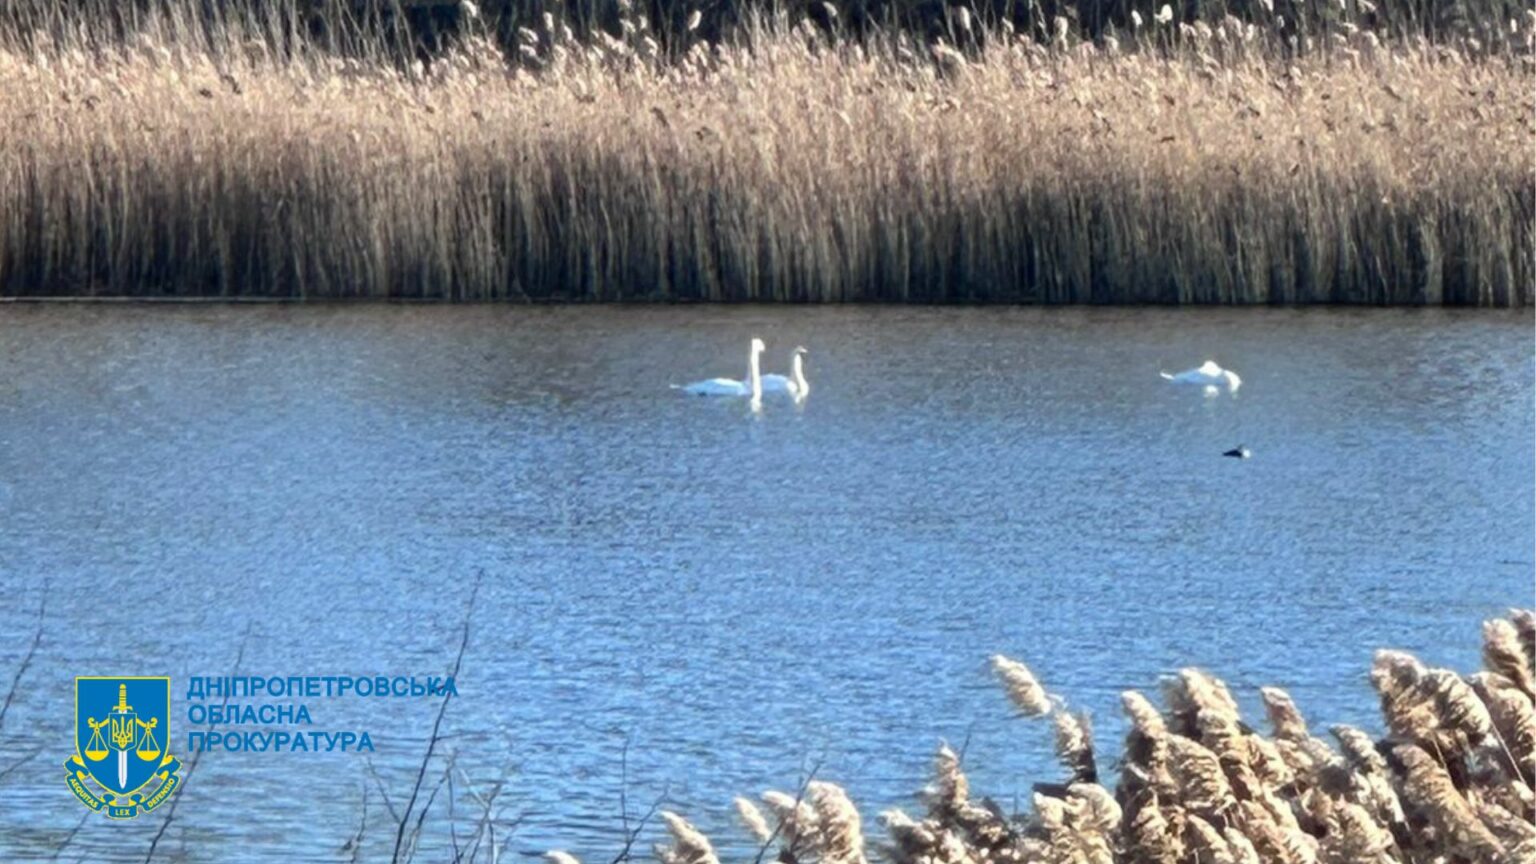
(1450, 783)
(1176, 163)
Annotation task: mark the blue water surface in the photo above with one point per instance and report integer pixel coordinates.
(682, 598)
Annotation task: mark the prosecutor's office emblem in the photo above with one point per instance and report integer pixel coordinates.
(121, 728)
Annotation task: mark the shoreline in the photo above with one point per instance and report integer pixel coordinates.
(245, 300)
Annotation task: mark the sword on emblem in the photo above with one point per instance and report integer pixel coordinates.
(123, 733)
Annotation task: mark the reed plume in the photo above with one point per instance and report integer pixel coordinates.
(1242, 849)
(1286, 721)
(1153, 835)
(1354, 836)
(1100, 812)
(1513, 716)
(1431, 795)
(753, 820)
(1074, 747)
(1192, 693)
(950, 790)
(1524, 621)
(1146, 751)
(689, 845)
(840, 838)
(1203, 786)
(1023, 690)
(1205, 843)
(1503, 655)
(1370, 778)
(796, 818)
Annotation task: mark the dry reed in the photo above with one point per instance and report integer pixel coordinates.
(1023, 689)
(1167, 163)
(753, 820)
(689, 845)
(1435, 790)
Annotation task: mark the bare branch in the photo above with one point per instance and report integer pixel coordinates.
(437, 724)
(26, 661)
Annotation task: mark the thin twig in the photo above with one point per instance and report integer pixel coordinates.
(192, 763)
(414, 841)
(795, 808)
(624, 785)
(453, 826)
(478, 837)
(499, 852)
(487, 821)
(631, 837)
(437, 724)
(70, 837)
(362, 829)
(378, 781)
(26, 661)
(14, 766)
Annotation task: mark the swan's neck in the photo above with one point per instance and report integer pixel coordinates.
(755, 375)
(799, 373)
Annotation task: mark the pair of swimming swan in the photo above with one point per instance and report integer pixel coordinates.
(757, 383)
(1208, 375)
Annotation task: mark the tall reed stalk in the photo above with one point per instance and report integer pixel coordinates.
(160, 155)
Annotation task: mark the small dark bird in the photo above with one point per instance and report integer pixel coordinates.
(1238, 452)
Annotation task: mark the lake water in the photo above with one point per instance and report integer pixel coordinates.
(714, 600)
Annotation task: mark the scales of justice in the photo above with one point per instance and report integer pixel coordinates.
(125, 731)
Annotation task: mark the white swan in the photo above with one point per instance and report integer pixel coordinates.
(753, 386)
(1208, 375)
(794, 384)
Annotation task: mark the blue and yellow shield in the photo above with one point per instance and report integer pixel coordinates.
(121, 728)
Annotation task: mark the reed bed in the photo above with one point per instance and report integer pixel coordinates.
(1450, 782)
(1171, 161)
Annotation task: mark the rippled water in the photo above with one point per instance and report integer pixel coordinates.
(737, 597)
